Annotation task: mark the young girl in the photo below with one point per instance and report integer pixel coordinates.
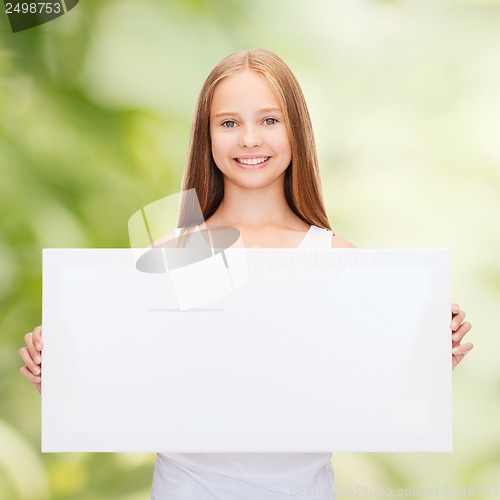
(252, 161)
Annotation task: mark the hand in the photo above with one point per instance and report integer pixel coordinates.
(31, 355)
(458, 330)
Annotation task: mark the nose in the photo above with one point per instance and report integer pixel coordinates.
(250, 137)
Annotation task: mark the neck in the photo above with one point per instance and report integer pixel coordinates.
(265, 206)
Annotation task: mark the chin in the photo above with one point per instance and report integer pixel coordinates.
(258, 182)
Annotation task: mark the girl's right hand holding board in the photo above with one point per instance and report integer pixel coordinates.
(31, 354)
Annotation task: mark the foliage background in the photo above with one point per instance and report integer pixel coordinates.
(95, 116)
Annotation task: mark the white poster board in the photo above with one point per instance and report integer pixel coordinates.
(310, 351)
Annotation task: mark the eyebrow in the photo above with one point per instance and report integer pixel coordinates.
(264, 110)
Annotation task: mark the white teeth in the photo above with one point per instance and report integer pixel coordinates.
(253, 161)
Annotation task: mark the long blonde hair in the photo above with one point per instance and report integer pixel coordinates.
(302, 181)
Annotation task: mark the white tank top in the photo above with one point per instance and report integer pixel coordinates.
(247, 476)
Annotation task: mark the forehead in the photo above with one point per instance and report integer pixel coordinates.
(243, 90)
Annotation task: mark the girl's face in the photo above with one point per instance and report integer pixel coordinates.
(250, 142)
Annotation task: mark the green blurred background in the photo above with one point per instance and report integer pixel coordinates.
(95, 116)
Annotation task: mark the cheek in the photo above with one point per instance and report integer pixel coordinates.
(219, 144)
(219, 149)
(215, 148)
(283, 138)
(286, 146)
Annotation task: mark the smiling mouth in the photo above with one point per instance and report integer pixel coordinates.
(252, 162)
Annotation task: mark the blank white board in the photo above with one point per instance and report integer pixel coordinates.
(313, 351)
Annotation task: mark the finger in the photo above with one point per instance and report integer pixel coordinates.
(457, 319)
(462, 349)
(30, 376)
(464, 328)
(35, 355)
(37, 338)
(25, 355)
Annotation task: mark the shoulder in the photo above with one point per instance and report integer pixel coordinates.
(340, 243)
(166, 240)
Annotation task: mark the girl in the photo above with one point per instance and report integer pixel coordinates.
(252, 161)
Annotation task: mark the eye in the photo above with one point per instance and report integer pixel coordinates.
(229, 124)
(270, 121)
